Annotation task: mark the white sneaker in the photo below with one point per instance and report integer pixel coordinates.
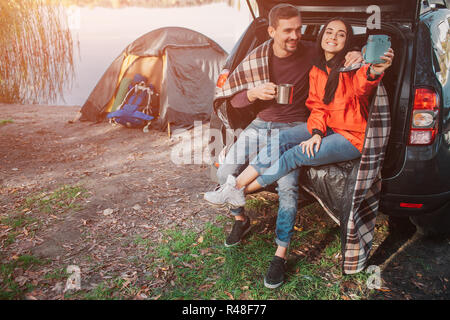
(227, 194)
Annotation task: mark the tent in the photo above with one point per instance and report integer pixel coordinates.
(183, 66)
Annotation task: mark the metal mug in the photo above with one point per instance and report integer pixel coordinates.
(285, 93)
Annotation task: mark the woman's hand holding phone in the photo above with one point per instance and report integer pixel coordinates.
(379, 68)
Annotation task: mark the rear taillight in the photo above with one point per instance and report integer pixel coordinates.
(222, 78)
(411, 205)
(424, 122)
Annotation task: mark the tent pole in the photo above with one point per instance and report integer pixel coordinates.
(168, 129)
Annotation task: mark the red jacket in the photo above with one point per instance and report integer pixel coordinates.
(343, 113)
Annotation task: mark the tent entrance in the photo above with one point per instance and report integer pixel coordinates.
(149, 67)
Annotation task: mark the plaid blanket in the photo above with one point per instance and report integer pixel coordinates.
(251, 72)
(358, 225)
(361, 220)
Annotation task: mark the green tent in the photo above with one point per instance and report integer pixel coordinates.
(183, 65)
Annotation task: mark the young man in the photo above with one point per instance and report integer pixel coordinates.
(283, 59)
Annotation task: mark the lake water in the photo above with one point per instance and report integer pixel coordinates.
(104, 32)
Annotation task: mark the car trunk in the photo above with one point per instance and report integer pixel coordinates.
(333, 185)
(398, 18)
(397, 80)
(398, 74)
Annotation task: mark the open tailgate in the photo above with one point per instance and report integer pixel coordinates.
(403, 11)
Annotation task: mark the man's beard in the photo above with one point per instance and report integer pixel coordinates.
(291, 45)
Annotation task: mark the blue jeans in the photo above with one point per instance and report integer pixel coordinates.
(334, 148)
(286, 140)
(245, 149)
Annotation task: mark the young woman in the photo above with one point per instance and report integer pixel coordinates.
(338, 101)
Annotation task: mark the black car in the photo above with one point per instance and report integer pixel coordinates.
(416, 171)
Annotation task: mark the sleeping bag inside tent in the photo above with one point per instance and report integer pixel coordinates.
(181, 65)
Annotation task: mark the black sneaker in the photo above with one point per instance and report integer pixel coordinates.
(240, 229)
(275, 275)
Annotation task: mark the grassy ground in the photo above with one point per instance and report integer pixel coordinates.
(25, 218)
(5, 121)
(190, 265)
(25, 221)
(184, 263)
(13, 288)
(107, 200)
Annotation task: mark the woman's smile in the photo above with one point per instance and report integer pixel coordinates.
(334, 38)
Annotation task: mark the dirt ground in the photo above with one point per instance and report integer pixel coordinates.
(133, 189)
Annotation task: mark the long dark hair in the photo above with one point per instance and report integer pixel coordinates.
(336, 62)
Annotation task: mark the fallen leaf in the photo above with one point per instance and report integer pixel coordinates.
(107, 212)
(245, 296)
(348, 285)
(229, 295)
(220, 259)
(126, 283)
(205, 286)
(143, 296)
(298, 252)
(21, 280)
(190, 266)
(418, 284)
(200, 240)
(58, 288)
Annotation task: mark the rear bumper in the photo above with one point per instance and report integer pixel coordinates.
(390, 204)
(423, 180)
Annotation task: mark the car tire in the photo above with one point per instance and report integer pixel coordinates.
(401, 227)
(436, 224)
